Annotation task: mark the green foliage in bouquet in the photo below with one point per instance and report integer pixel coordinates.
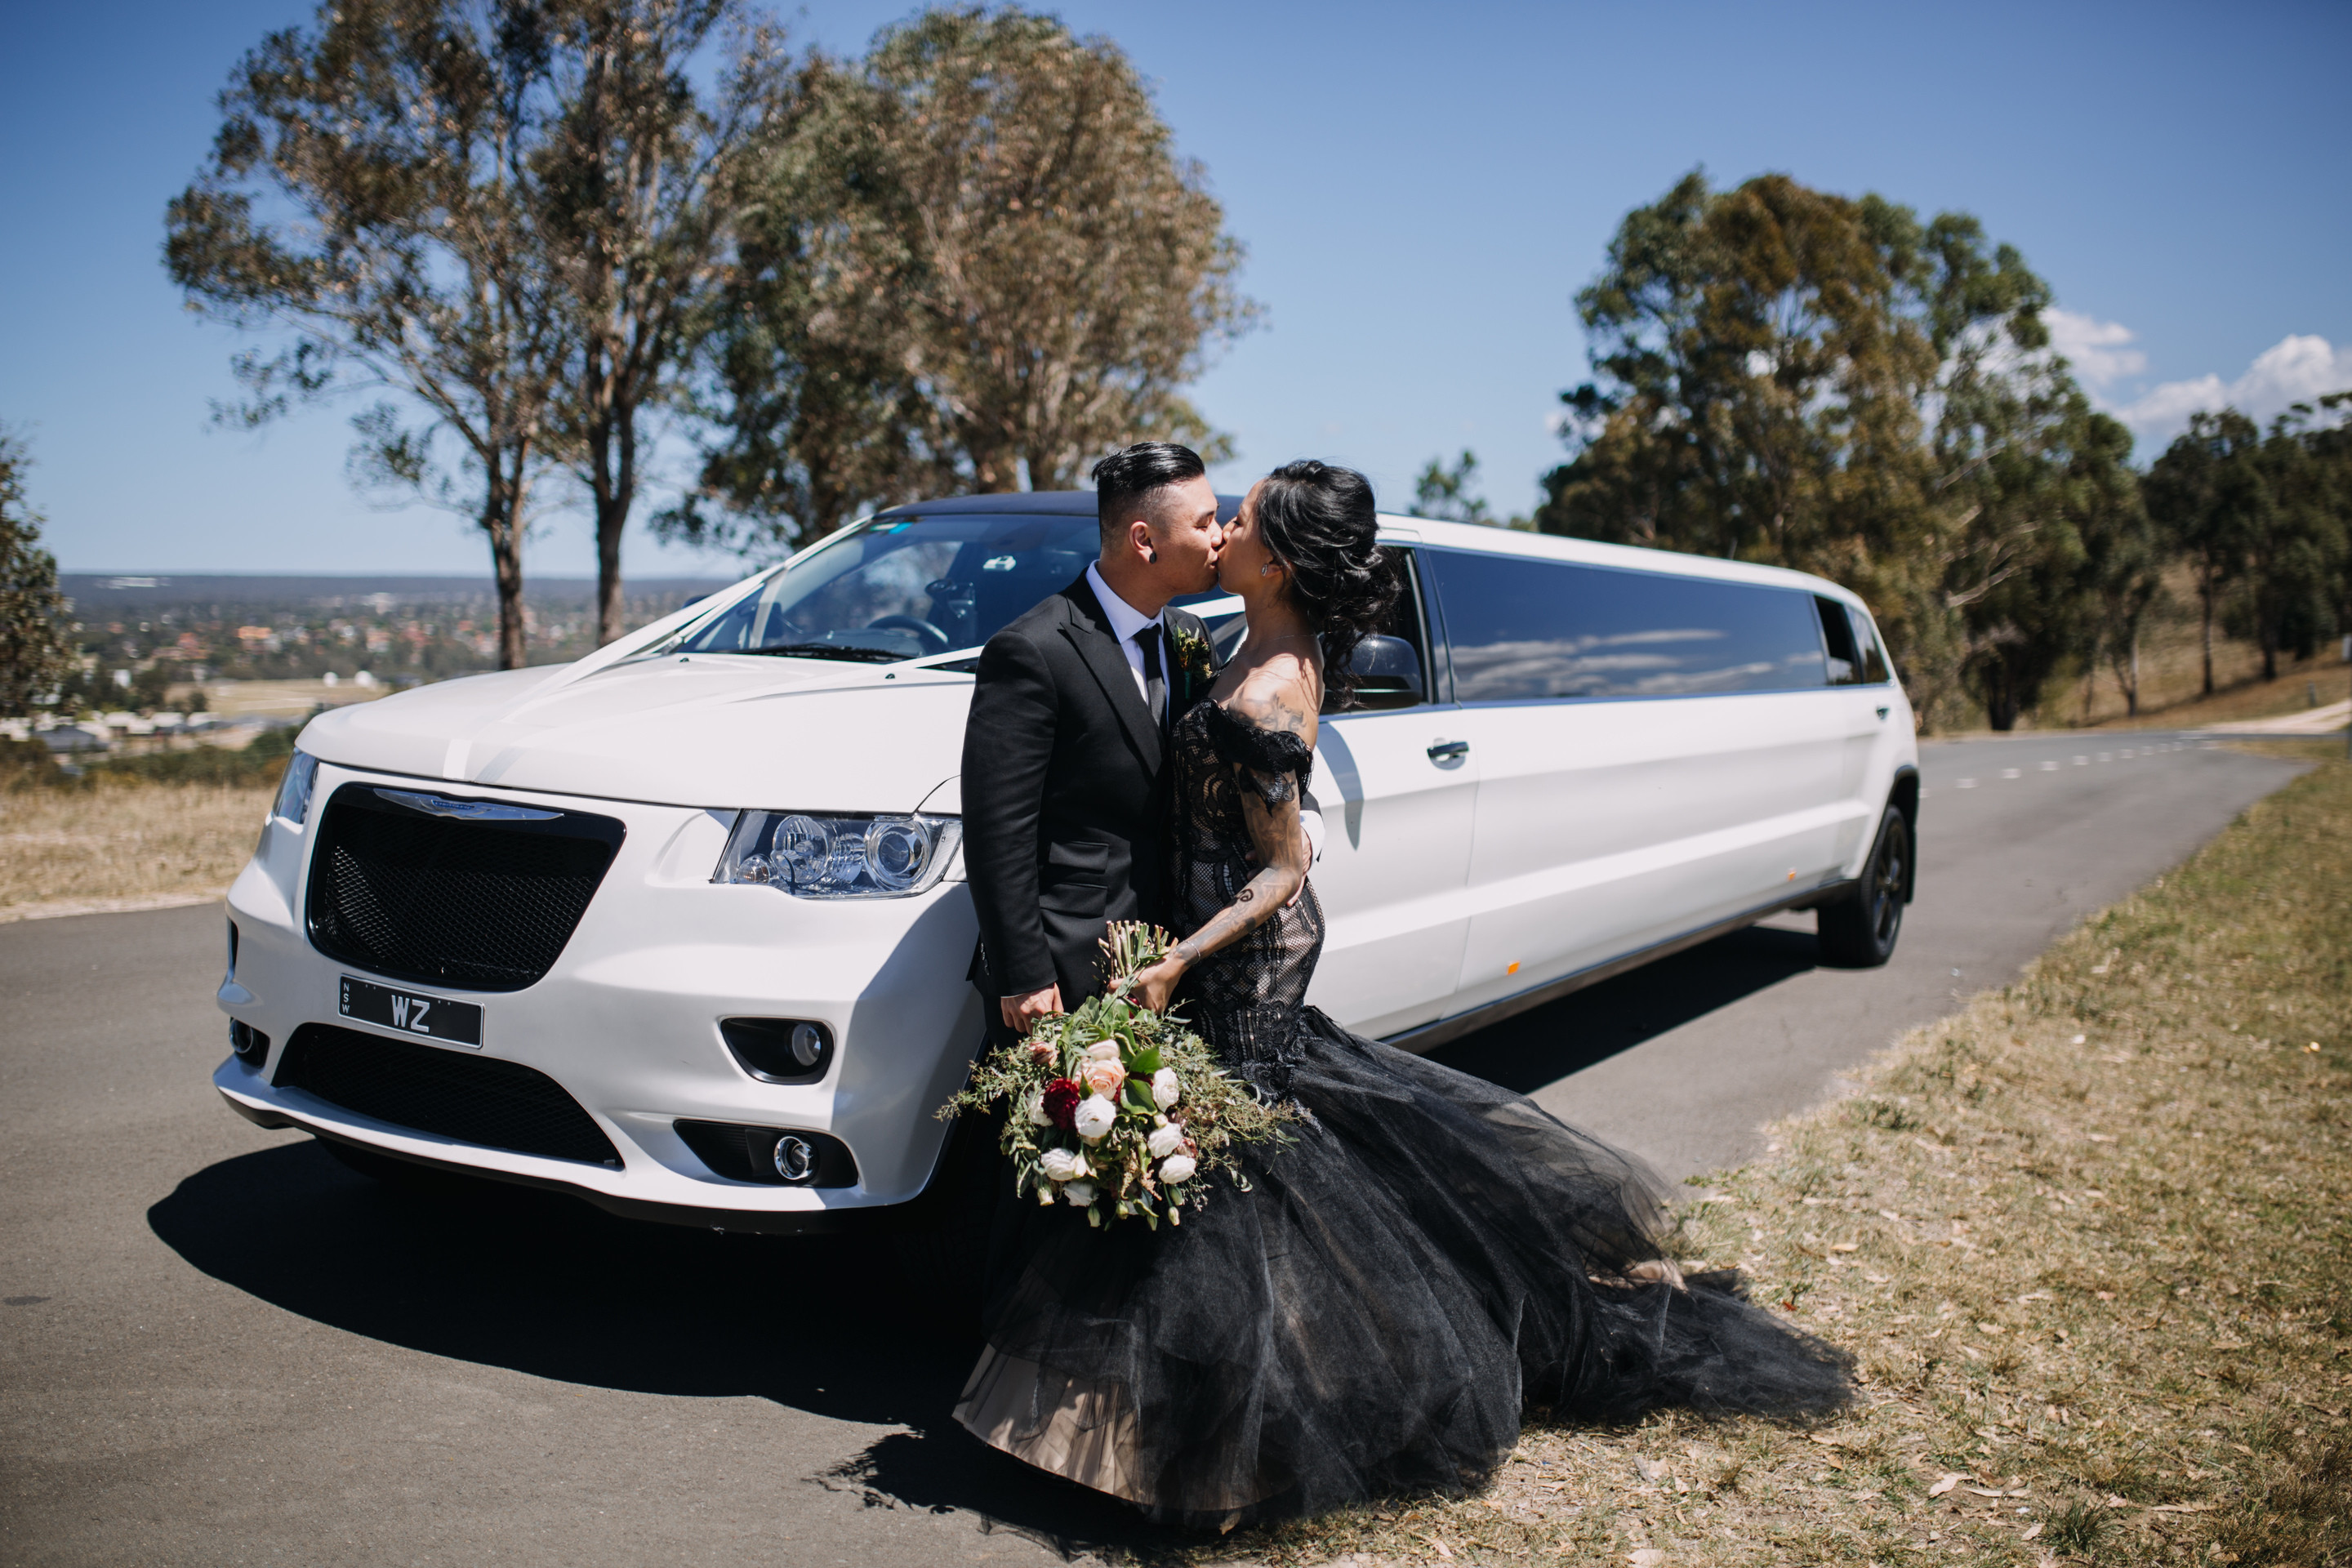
(1118, 1109)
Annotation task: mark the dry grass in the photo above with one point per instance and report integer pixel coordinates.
(274, 698)
(2086, 1239)
(2172, 671)
(122, 844)
(2325, 676)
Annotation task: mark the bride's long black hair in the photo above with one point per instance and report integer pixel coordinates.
(1320, 522)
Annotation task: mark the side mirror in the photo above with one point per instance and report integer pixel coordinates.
(1388, 673)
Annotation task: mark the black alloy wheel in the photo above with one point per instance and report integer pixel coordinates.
(1859, 931)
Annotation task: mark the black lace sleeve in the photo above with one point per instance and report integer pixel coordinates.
(1274, 764)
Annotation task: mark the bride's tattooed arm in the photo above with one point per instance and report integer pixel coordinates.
(1269, 805)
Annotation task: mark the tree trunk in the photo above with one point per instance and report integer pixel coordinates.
(2131, 692)
(2001, 700)
(502, 520)
(2205, 599)
(992, 470)
(612, 418)
(616, 492)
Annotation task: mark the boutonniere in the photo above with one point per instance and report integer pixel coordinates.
(1194, 657)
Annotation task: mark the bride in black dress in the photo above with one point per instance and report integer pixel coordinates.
(1429, 1256)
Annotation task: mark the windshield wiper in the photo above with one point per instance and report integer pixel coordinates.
(831, 650)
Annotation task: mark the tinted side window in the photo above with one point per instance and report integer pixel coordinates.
(1520, 629)
(1837, 635)
(1865, 638)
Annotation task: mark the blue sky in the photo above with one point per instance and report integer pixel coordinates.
(1422, 189)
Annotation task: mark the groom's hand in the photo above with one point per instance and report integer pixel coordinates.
(1021, 1013)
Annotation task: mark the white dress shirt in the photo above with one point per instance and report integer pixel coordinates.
(1126, 620)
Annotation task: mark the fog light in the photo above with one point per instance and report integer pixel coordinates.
(795, 1158)
(780, 1050)
(250, 1045)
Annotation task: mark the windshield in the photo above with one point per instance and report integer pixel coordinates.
(905, 588)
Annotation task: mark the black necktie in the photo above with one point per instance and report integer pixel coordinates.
(1155, 683)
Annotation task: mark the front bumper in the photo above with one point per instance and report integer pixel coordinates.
(626, 1021)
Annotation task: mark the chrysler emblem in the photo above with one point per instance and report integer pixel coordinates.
(467, 810)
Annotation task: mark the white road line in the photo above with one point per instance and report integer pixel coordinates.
(2011, 773)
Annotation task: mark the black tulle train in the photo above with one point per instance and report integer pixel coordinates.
(1430, 1257)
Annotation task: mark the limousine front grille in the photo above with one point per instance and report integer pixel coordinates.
(474, 1099)
(477, 903)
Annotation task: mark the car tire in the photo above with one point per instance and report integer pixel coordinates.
(1859, 931)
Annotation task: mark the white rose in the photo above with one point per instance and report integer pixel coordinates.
(1164, 1141)
(1095, 1116)
(1038, 1117)
(1175, 1168)
(1165, 1089)
(1080, 1194)
(1064, 1164)
(1103, 1051)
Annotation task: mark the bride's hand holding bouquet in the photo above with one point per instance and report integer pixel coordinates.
(1117, 1108)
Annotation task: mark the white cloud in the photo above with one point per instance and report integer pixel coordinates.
(2298, 368)
(2095, 349)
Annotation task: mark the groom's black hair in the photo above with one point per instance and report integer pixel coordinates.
(1124, 478)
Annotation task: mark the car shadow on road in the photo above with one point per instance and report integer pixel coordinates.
(553, 1288)
(1547, 1043)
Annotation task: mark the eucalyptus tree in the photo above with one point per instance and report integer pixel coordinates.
(2207, 493)
(1451, 494)
(371, 202)
(1791, 376)
(2295, 553)
(974, 260)
(2123, 556)
(2265, 520)
(639, 169)
(34, 658)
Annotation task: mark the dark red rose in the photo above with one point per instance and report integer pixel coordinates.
(1062, 1099)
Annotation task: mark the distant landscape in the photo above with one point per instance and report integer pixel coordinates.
(152, 640)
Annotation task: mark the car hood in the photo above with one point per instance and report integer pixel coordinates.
(712, 731)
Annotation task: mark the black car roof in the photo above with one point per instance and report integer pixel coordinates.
(1063, 503)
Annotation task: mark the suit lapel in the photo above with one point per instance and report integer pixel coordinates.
(1089, 632)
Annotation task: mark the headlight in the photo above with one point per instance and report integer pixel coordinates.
(294, 791)
(810, 856)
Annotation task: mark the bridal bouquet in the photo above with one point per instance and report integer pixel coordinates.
(1118, 1109)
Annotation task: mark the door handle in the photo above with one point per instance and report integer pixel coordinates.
(1448, 751)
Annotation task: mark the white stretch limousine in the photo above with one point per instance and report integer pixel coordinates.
(681, 928)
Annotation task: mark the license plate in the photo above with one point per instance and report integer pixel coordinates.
(434, 1018)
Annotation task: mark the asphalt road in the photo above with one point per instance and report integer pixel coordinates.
(218, 1346)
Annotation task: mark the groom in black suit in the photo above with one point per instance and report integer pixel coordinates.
(1064, 756)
